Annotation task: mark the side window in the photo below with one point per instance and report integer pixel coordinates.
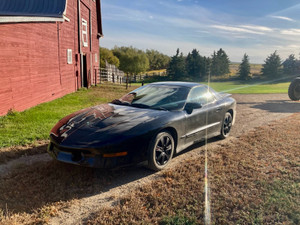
(201, 95)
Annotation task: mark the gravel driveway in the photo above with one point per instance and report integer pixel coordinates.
(255, 110)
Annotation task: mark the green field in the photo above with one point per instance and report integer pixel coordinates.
(250, 88)
(236, 87)
(35, 123)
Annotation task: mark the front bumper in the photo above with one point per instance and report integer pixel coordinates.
(85, 157)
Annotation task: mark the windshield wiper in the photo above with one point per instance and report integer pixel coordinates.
(144, 106)
(140, 105)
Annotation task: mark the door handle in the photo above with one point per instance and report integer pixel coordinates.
(218, 110)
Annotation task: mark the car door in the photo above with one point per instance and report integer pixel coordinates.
(208, 117)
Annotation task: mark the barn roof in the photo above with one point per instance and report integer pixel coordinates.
(33, 8)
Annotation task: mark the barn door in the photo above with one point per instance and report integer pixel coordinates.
(85, 71)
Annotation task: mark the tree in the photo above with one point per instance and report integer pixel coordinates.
(244, 68)
(193, 65)
(205, 70)
(107, 55)
(291, 65)
(197, 66)
(272, 66)
(157, 60)
(176, 69)
(220, 63)
(132, 61)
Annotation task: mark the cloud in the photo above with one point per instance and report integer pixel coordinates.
(236, 29)
(257, 28)
(283, 18)
(294, 32)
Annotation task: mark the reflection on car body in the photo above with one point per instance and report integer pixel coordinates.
(150, 123)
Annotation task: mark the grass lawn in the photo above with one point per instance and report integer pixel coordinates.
(35, 123)
(250, 88)
(235, 87)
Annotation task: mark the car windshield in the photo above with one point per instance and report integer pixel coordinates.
(159, 97)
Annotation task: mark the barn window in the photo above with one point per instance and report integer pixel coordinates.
(69, 56)
(84, 33)
(96, 57)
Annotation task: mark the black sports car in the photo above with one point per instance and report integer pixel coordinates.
(150, 123)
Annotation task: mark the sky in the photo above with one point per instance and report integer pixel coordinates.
(255, 27)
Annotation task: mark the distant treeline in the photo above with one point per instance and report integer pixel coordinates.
(194, 67)
(140, 60)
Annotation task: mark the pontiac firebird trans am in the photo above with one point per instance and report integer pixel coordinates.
(150, 123)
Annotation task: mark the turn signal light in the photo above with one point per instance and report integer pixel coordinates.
(109, 155)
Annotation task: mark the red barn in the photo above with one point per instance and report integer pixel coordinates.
(48, 48)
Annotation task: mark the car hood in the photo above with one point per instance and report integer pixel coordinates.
(101, 123)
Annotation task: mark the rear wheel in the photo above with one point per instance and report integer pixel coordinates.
(226, 126)
(161, 151)
(294, 90)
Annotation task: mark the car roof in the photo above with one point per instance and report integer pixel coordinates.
(178, 83)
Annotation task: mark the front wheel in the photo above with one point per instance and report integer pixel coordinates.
(226, 126)
(161, 151)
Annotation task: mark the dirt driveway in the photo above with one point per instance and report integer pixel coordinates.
(253, 110)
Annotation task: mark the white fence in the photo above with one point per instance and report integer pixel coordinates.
(112, 74)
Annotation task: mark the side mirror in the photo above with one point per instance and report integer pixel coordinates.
(190, 106)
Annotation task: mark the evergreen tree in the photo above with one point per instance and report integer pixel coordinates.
(206, 66)
(197, 66)
(220, 63)
(291, 65)
(193, 65)
(176, 69)
(272, 66)
(244, 68)
(214, 64)
(224, 61)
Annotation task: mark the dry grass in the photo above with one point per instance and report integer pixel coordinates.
(246, 175)
(253, 179)
(10, 153)
(254, 68)
(156, 72)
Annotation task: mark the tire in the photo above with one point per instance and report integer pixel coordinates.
(161, 150)
(226, 125)
(294, 90)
